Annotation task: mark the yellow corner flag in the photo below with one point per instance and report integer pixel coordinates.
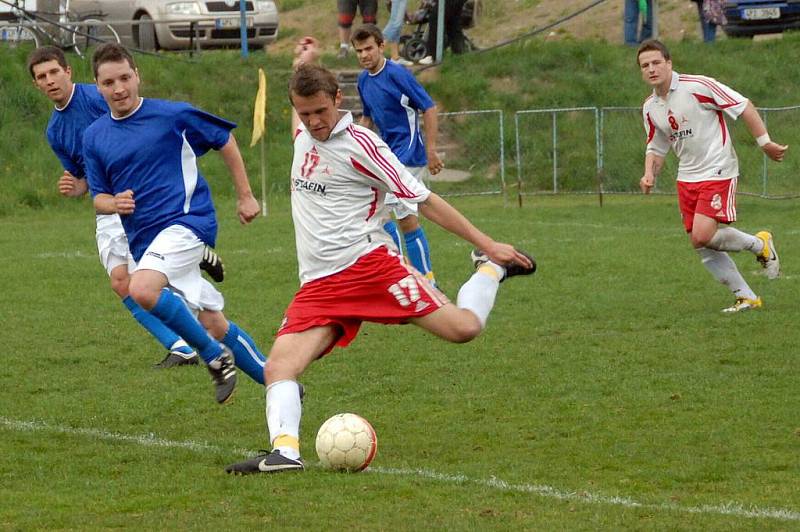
(260, 112)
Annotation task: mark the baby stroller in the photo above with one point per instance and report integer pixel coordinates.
(414, 46)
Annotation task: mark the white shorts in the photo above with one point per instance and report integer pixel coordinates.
(176, 252)
(112, 243)
(402, 208)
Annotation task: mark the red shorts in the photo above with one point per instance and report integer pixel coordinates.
(715, 199)
(379, 287)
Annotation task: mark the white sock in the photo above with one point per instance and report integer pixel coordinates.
(478, 293)
(729, 238)
(283, 417)
(724, 270)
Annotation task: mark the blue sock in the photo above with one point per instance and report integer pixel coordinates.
(171, 310)
(248, 358)
(391, 228)
(418, 253)
(160, 332)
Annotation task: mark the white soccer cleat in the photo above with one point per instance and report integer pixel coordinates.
(768, 256)
(742, 304)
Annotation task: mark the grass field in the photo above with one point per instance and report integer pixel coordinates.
(608, 391)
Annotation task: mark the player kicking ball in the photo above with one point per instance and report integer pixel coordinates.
(687, 113)
(350, 270)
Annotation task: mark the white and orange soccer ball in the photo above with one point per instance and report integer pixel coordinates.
(346, 442)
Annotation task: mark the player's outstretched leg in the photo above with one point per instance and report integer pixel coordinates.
(212, 264)
(768, 257)
(178, 352)
(171, 310)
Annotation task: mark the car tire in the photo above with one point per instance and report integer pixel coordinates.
(147, 34)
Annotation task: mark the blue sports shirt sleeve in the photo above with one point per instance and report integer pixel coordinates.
(204, 131)
(365, 109)
(409, 85)
(71, 166)
(95, 172)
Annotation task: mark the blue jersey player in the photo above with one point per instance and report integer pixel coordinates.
(77, 106)
(141, 163)
(393, 100)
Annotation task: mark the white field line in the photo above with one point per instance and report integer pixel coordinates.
(731, 509)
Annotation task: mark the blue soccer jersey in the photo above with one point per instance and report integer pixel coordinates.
(153, 152)
(393, 99)
(67, 125)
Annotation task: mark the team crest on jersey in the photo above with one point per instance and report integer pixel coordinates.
(716, 202)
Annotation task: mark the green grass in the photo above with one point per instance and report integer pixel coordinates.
(607, 392)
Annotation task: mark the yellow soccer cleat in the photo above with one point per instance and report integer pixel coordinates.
(768, 256)
(742, 304)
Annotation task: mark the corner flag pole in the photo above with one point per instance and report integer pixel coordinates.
(263, 179)
(259, 132)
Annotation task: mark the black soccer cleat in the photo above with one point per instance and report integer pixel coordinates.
(176, 358)
(223, 374)
(266, 462)
(479, 257)
(212, 264)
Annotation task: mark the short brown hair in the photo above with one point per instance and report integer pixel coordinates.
(111, 53)
(45, 54)
(365, 32)
(308, 80)
(652, 45)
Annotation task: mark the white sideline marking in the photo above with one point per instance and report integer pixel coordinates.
(732, 509)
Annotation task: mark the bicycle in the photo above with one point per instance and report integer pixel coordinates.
(70, 32)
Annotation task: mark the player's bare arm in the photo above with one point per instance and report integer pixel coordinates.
(448, 217)
(71, 186)
(246, 204)
(122, 203)
(757, 128)
(652, 167)
(430, 122)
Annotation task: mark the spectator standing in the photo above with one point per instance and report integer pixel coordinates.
(453, 32)
(347, 13)
(393, 29)
(633, 9)
(711, 15)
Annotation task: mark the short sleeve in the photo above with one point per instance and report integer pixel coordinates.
(203, 131)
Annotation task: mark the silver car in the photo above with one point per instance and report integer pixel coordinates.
(169, 24)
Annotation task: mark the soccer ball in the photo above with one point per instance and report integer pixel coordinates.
(346, 442)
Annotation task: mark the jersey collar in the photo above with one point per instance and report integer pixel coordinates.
(344, 122)
(71, 94)
(385, 61)
(135, 110)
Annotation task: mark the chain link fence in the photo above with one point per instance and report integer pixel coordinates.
(590, 150)
(471, 145)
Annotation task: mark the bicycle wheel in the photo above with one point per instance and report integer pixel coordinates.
(19, 34)
(86, 38)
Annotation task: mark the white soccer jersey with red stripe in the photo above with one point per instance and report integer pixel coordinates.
(338, 188)
(691, 120)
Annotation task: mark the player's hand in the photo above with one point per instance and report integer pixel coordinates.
(70, 186)
(247, 208)
(646, 183)
(307, 51)
(775, 151)
(435, 164)
(505, 254)
(124, 203)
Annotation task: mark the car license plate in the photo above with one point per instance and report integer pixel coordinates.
(761, 13)
(233, 22)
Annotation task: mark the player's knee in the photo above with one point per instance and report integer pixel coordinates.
(466, 329)
(700, 240)
(120, 286)
(143, 295)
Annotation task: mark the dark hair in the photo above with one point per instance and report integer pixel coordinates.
(365, 32)
(308, 80)
(652, 45)
(45, 54)
(111, 53)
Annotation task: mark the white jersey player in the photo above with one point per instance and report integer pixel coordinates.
(687, 113)
(350, 269)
